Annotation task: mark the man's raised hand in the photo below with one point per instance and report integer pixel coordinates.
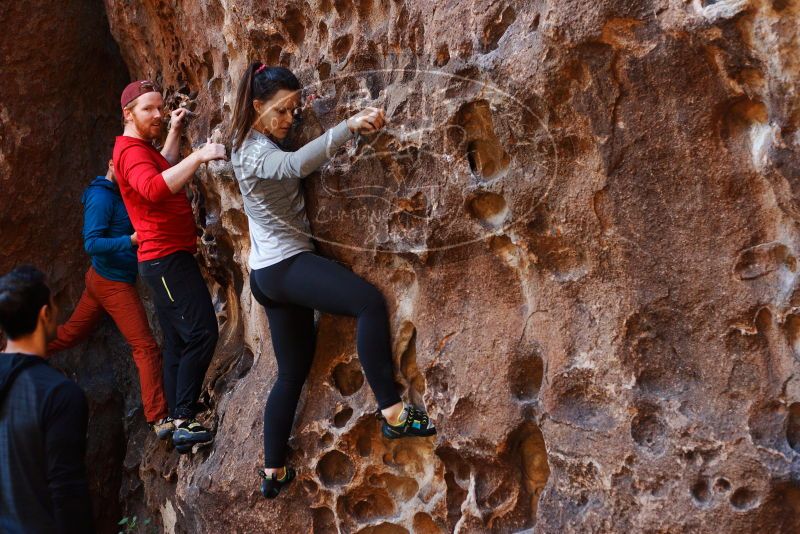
(176, 118)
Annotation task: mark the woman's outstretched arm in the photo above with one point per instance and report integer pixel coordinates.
(275, 164)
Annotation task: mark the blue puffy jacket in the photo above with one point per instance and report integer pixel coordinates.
(107, 230)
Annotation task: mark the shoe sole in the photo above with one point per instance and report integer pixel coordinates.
(389, 433)
(280, 488)
(191, 440)
(186, 448)
(164, 434)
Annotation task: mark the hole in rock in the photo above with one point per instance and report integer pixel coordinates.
(335, 469)
(648, 430)
(494, 488)
(535, 23)
(369, 504)
(442, 55)
(412, 455)
(348, 378)
(293, 22)
(496, 28)
(456, 478)
(310, 487)
(743, 498)
(322, 33)
(244, 363)
(324, 70)
(424, 524)
(745, 123)
(341, 46)
(343, 7)
(323, 520)
(274, 54)
(763, 259)
(792, 329)
(486, 159)
(364, 8)
(364, 445)
(489, 208)
(722, 485)
(400, 488)
(793, 426)
(384, 528)
(342, 417)
(700, 491)
(455, 498)
(407, 342)
(525, 377)
(527, 447)
(472, 130)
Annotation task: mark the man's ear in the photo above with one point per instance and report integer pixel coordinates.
(45, 314)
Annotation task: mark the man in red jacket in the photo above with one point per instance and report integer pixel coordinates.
(152, 187)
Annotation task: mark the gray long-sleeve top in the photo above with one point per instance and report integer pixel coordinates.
(269, 179)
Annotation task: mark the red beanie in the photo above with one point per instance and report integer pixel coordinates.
(136, 89)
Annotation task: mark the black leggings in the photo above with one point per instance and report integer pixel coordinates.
(290, 291)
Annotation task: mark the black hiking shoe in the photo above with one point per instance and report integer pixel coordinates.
(271, 486)
(164, 427)
(413, 423)
(190, 433)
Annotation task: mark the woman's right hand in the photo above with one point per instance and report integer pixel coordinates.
(367, 121)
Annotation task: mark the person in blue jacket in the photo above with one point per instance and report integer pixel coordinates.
(110, 241)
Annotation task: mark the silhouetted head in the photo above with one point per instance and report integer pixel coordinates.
(26, 305)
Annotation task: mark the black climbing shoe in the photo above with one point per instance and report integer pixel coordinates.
(413, 423)
(164, 427)
(271, 487)
(191, 433)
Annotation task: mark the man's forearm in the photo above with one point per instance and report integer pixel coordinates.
(179, 175)
(172, 146)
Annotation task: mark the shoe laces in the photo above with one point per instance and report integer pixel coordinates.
(415, 414)
(194, 425)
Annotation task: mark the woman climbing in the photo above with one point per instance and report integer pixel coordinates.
(287, 277)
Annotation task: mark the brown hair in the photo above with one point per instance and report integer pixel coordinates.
(258, 82)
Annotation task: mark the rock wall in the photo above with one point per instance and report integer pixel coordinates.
(584, 218)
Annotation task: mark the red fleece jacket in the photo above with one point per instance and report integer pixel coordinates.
(163, 221)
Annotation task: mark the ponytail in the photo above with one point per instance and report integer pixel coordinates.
(259, 82)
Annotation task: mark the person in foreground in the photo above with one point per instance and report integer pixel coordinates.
(287, 277)
(43, 419)
(152, 186)
(109, 239)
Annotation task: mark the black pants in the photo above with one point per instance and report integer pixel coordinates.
(290, 291)
(187, 317)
